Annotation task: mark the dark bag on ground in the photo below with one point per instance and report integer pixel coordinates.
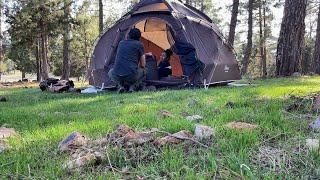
(56, 85)
(152, 69)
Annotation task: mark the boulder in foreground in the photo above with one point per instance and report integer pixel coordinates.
(7, 132)
(312, 144)
(174, 138)
(74, 141)
(315, 125)
(85, 160)
(203, 132)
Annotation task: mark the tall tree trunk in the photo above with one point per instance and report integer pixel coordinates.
(66, 41)
(248, 50)
(233, 22)
(23, 75)
(44, 51)
(38, 59)
(316, 58)
(262, 39)
(1, 37)
(100, 16)
(291, 41)
(264, 57)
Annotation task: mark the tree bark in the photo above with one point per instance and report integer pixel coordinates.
(66, 41)
(100, 16)
(23, 75)
(44, 51)
(233, 22)
(262, 30)
(1, 37)
(248, 50)
(38, 58)
(264, 58)
(291, 41)
(316, 58)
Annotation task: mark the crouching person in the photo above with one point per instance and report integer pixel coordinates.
(129, 70)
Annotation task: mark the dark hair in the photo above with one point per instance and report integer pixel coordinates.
(135, 34)
(168, 52)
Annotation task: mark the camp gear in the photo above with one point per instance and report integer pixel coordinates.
(152, 69)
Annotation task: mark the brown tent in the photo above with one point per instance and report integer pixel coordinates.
(162, 23)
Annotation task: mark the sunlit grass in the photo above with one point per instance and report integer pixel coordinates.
(43, 119)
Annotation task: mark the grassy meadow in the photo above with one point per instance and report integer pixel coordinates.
(44, 119)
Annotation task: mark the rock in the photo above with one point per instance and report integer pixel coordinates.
(42, 114)
(136, 139)
(7, 132)
(164, 114)
(85, 160)
(312, 144)
(194, 118)
(151, 88)
(3, 99)
(185, 114)
(296, 74)
(172, 140)
(316, 103)
(230, 105)
(3, 146)
(74, 141)
(122, 131)
(193, 103)
(203, 132)
(315, 126)
(216, 111)
(241, 126)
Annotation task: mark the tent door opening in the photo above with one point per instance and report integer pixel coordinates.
(156, 37)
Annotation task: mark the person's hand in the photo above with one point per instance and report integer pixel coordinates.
(148, 54)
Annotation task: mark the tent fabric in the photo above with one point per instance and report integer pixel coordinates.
(163, 23)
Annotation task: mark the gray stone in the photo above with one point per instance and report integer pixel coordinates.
(3, 146)
(7, 132)
(315, 126)
(74, 141)
(203, 132)
(85, 160)
(193, 103)
(312, 144)
(296, 74)
(194, 118)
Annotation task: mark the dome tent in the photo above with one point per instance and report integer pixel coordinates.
(162, 23)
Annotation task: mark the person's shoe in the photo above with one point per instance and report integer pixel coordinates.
(121, 90)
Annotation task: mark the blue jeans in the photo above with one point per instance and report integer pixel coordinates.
(130, 80)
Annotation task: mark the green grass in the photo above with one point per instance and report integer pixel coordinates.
(33, 114)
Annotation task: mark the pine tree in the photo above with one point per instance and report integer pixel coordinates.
(233, 23)
(66, 40)
(248, 50)
(316, 57)
(291, 41)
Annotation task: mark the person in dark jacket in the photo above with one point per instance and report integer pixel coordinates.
(164, 67)
(129, 69)
(192, 67)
